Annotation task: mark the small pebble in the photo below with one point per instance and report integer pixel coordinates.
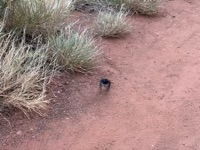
(19, 132)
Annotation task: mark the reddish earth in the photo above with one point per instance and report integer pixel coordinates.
(154, 102)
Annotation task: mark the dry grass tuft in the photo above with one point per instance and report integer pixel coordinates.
(23, 75)
(144, 7)
(89, 5)
(75, 50)
(26, 67)
(38, 16)
(29, 58)
(112, 24)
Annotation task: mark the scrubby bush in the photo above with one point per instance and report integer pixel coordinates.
(89, 5)
(26, 67)
(75, 51)
(144, 7)
(23, 74)
(38, 16)
(112, 24)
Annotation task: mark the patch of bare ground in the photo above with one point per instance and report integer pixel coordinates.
(154, 99)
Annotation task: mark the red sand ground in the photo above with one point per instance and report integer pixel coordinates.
(154, 102)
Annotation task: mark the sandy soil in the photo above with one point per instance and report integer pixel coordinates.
(154, 102)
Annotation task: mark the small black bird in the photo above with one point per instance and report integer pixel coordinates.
(105, 83)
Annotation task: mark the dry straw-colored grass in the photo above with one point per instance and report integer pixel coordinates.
(26, 68)
(24, 73)
(144, 7)
(112, 24)
(75, 50)
(38, 16)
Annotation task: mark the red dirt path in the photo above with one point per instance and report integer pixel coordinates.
(154, 102)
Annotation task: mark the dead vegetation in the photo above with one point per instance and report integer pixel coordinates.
(32, 49)
(74, 50)
(23, 74)
(143, 7)
(36, 40)
(112, 24)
